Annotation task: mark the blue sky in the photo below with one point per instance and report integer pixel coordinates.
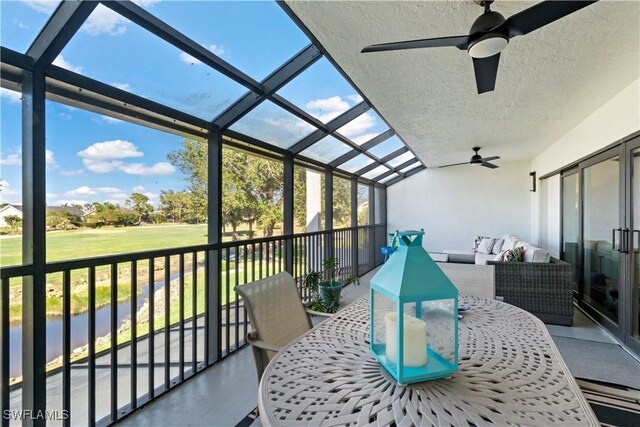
(95, 158)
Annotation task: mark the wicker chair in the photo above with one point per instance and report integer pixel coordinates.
(276, 313)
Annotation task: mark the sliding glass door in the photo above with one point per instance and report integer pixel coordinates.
(602, 234)
(633, 245)
(570, 251)
(601, 237)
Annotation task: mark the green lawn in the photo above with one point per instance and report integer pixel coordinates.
(86, 243)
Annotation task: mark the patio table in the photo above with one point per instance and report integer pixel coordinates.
(511, 373)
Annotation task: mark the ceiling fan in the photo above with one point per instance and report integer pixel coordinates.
(477, 159)
(490, 34)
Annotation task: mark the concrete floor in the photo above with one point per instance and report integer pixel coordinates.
(224, 394)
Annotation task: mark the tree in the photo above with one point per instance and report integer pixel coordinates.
(341, 202)
(250, 184)
(13, 221)
(61, 220)
(174, 204)
(139, 203)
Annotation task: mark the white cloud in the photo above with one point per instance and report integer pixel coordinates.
(6, 189)
(218, 50)
(138, 189)
(146, 3)
(11, 95)
(328, 108)
(50, 159)
(161, 168)
(107, 150)
(21, 24)
(361, 139)
(101, 166)
(355, 98)
(297, 127)
(105, 21)
(91, 191)
(73, 172)
(358, 126)
(104, 157)
(60, 61)
(111, 120)
(12, 159)
(188, 59)
(123, 86)
(42, 6)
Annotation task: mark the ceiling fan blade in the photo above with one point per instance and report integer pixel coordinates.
(453, 164)
(486, 70)
(488, 159)
(461, 42)
(489, 165)
(539, 15)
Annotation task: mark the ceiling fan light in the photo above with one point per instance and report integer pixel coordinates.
(488, 46)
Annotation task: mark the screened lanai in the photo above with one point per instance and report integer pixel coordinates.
(96, 99)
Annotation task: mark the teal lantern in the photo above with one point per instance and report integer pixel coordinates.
(414, 315)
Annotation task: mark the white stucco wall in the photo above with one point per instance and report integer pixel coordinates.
(614, 120)
(617, 118)
(455, 204)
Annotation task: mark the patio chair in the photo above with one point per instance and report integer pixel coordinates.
(276, 313)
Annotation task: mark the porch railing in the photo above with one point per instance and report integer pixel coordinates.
(150, 320)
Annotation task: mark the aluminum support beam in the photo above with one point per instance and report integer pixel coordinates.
(298, 112)
(126, 99)
(328, 212)
(367, 168)
(395, 154)
(332, 126)
(288, 192)
(363, 148)
(65, 21)
(34, 340)
(373, 243)
(283, 75)
(214, 233)
(406, 175)
(378, 139)
(354, 223)
(138, 15)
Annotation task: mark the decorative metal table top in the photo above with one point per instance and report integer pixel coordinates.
(511, 373)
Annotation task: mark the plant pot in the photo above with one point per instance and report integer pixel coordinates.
(330, 294)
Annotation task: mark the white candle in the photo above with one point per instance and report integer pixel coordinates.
(415, 340)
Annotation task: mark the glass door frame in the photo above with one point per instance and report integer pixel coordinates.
(578, 267)
(618, 328)
(631, 295)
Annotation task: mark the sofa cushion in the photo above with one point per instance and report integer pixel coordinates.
(477, 241)
(534, 253)
(485, 246)
(497, 246)
(510, 241)
(481, 259)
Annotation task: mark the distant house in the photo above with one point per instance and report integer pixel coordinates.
(17, 211)
(9, 210)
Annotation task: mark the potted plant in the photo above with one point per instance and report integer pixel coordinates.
(324, 288)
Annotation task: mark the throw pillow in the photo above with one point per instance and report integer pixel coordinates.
(477, 242)
(486, 245)
(497, 246)
(513, 255)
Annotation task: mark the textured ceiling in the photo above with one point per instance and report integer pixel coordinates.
(548, 80)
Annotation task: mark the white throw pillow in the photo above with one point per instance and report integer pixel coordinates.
(497, 246)
(486, 245)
